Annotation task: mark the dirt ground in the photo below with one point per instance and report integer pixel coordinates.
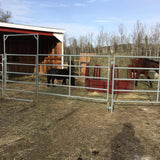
(61, 128)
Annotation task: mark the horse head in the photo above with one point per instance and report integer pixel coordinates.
(156, 65)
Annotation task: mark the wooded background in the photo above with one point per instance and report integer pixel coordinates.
(140, 41)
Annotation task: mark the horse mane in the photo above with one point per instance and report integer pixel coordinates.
(150, 60)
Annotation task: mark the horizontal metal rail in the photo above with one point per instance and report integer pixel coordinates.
(75, 76)
(135, 101)
(21, 73)
(90, 77)
(62, 95)
(21, 64)
(127, 90)
(22, 82)
(100, 56)
(19, 99)
(21, 55)
(136, 68)
(136, 57)
(17, 90)
(128, 79)
(72, 66)
(20, 35)
(92, 88)
(81, 87)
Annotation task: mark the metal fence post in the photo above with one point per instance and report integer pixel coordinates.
(70, 75)
(37, 68)
(158, 85)
(4, 76)
(108, 78)
(112, 96)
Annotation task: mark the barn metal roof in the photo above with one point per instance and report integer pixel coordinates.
(19, 28)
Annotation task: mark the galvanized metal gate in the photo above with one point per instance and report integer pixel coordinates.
(70, 88)
(139, 98)
(5, 64)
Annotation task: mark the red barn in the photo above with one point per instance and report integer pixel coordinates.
(50, 42)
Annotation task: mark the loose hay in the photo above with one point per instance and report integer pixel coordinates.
(93, 93)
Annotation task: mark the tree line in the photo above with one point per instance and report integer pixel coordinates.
(141, 41)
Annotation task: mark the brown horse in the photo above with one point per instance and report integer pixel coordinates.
(144, 63)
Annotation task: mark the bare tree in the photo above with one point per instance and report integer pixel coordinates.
(122, 33)
(128, 45)
(73, 45)
(114, 42)
(100, 41)
(5, 16)
(138, 37)
(82, 44)
(65, 44)
(107, 37)
(89, 39)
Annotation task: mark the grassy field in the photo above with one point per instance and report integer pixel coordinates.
(59, 128)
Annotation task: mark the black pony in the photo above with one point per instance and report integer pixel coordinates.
(63, 75)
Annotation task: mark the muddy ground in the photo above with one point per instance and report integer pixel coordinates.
(61, 128)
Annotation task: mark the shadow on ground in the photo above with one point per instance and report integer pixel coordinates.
(125, 146)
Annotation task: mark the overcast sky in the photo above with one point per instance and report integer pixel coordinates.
(78, 17)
